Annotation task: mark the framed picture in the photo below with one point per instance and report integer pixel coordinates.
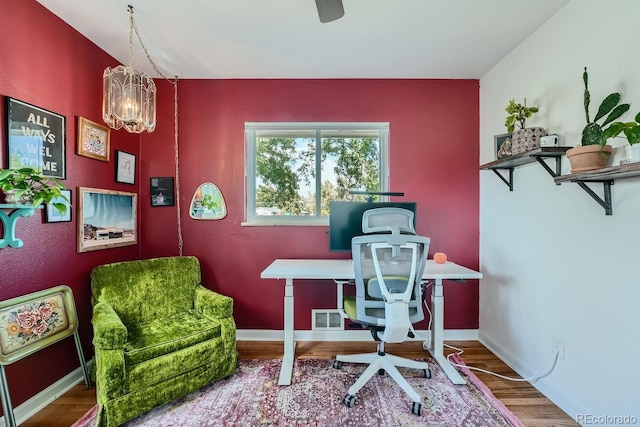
(162, 191)
(93, 140)
(35, 139)
(502, 145)
(51, 214)
(106, 219)
(125, 167)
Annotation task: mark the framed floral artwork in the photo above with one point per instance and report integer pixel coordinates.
(93, 140)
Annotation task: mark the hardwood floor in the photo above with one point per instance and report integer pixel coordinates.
(529, 405)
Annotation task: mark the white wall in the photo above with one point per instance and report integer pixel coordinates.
(553, 262)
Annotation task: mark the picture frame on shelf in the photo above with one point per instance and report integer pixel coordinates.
(502, 145)
(106, 219)
(162, 191)
(93, 140)
(51, 214)
(125, 167)
(35, 139)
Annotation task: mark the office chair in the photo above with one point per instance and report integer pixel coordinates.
(388, 268)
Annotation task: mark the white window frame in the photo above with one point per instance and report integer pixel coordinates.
(251, 129)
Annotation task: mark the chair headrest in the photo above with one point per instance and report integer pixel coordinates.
(389, 219)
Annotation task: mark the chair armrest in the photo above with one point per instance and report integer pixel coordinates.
(108, 330)
(213, 304)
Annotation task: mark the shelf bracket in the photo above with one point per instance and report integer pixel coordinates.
(606, 203)
(546, 167)
(509, 182)
(9, 226)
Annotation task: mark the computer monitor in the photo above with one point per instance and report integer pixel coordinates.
(345, 220)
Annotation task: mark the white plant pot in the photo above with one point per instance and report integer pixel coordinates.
(633, 153)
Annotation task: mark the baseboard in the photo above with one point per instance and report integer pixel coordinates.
(543, 385)
(35, 404)
(355, 335)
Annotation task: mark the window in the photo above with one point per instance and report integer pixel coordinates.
(294, 170)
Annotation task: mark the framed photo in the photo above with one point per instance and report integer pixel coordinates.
(93, 140)
(502, 145)
(51, 214)
(106, 219)
(162, 191)
(36, 139)
(125, 167)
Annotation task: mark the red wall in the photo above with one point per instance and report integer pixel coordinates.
(433, 159)
(46, 63)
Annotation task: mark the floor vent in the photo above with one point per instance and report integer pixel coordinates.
(326, 320)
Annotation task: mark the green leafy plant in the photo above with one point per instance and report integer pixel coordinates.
(632, 130)
(208, 203)
(518, 114)
(594, 133)
(29, 185)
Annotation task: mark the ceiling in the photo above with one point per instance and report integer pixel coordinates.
(223, 39)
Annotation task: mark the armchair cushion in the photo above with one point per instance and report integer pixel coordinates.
(168, 334)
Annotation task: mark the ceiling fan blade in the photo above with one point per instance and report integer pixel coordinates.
(329, 10)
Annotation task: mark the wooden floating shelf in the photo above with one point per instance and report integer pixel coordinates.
(615, 172)
(537, 155)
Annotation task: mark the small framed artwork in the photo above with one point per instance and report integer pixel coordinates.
(162, 191)
(93, 140)
(125, 167)
(35, 139)
(106, 219)
(51, 214)
(502, 145)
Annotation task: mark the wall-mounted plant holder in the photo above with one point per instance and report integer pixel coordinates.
(9, 223)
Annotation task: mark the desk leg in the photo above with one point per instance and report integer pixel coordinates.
(436, 347)
(289, 344)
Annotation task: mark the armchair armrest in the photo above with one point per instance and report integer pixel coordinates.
(213, 304)
(108, 330)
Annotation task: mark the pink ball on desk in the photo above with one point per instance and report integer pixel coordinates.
(440, 257)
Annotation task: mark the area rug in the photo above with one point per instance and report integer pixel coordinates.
(252, 397)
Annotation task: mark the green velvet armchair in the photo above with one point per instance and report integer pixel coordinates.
(158, 335)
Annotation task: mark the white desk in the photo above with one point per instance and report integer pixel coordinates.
(290, 269)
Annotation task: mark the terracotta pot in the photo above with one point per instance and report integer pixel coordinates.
(588, 157)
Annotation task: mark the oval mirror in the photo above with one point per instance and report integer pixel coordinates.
(208, 203)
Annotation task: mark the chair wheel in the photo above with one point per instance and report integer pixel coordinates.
(426, 373)
(380, 371)
(349, 401)
(337, 364)
(416, 408)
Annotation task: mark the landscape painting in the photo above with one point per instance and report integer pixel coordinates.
(106, 219)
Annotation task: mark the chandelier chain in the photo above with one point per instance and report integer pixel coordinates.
(146, 52)
(175, 147)
(134, 27)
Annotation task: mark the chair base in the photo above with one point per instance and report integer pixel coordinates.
(389, 363)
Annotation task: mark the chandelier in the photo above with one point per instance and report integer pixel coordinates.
(129, 97)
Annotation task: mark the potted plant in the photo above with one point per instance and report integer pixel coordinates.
(523, 138)
(594, 151)
(631, 131)
(27, 186)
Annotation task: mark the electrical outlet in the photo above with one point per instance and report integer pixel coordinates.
(557, 346)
